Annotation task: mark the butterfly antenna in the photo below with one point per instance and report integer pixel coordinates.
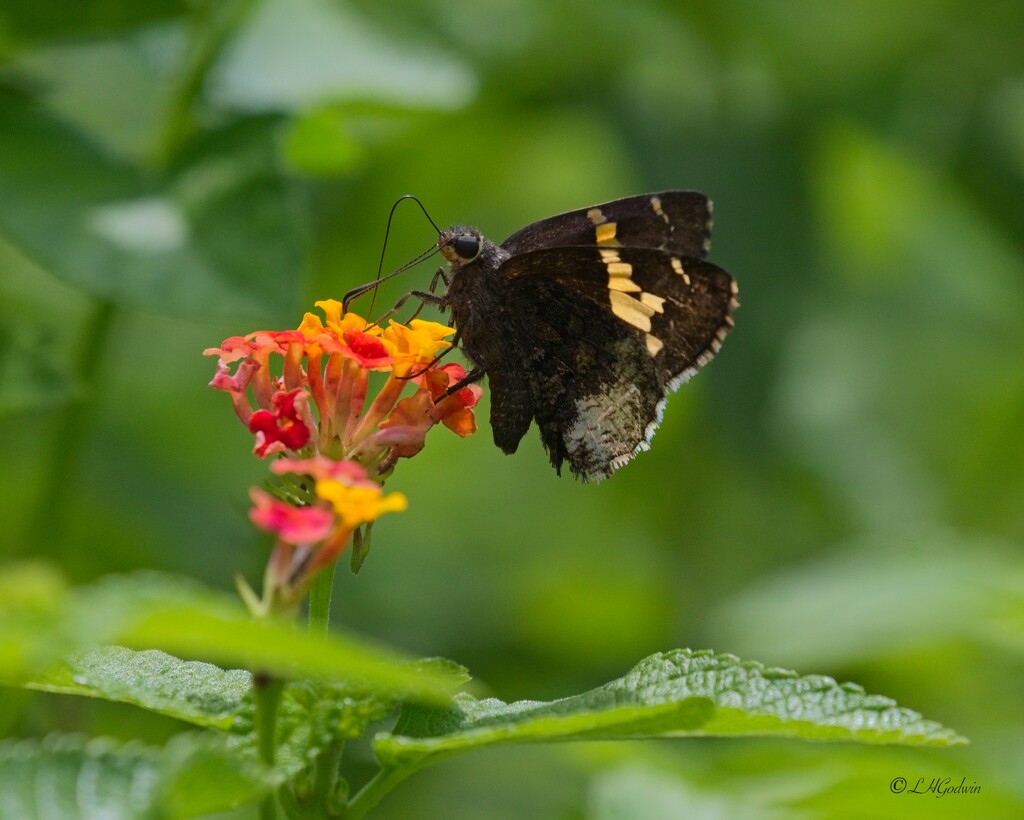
(387, 231)
(415, 199)
(362, 290)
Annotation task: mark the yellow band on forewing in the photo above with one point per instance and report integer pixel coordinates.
(596, 216)
(631, 310)
(623, 283)
(654, 344)
(620, 282)
(654, 302)
(606, 233)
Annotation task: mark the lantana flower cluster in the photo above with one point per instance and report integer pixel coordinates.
(334, 444)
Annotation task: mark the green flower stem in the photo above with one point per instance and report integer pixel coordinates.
(268, 699)
(329, 763)
(268, 691)
(320, 601)
(325, 779)
(370, 795)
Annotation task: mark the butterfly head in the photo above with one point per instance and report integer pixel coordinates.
(460, 245)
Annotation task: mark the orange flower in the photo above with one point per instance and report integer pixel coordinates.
(455, 411)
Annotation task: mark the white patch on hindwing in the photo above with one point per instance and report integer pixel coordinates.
(611, 426)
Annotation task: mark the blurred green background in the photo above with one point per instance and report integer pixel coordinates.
(841, 491)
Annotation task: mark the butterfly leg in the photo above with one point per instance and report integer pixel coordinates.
(437, 358)
(441, 274)
(472, 376)
(429, 297)
(424, 297)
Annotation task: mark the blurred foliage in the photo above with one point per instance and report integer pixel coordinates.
(840, 491)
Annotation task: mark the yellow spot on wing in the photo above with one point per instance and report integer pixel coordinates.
(677, 266)
(623, 283)
(606, 233)
(620, 269)
(596, 216)
(630, 310)
(656, 205)
(652, 301)
(654, 344)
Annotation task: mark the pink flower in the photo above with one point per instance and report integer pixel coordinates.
(292, 525)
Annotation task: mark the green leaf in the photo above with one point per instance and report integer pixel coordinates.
(201, 774)
(218, 238)
(192, 622)
(147, 611)
(31, 626)
(199, 693)
(671, 694)
(68, 778)
(312, 714)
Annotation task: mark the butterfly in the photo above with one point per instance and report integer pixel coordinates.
(585, 321)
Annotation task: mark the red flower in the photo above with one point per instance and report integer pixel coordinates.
(282, 428)
(368, 350)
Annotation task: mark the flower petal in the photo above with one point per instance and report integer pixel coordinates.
(322, 468)
(283, 427)
(293, 525)
(359, 505)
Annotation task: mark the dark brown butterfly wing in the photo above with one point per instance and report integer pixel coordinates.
(676, 221)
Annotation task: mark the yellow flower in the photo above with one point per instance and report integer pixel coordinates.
(350, 321)
(359, 505)
(419, 343)
(312, 329)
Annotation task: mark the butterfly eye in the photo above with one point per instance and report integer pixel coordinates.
(467, 247)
